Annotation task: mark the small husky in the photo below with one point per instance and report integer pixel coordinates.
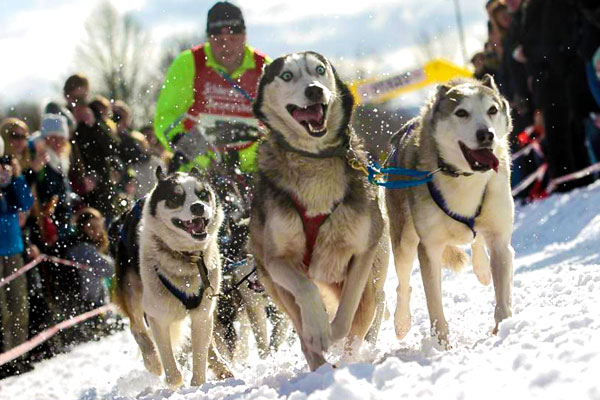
(175, 273)
(317, 231)
(462, 132)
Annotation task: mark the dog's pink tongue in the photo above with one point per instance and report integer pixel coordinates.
(486, 157)
(308, 114)
(194, 226)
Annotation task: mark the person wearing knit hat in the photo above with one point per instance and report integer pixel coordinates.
(212, 82)
(52, 182)
(54, 125)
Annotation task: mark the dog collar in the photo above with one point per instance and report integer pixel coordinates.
(450, 170)
(438, 198)
(337, 151)
(186, 256)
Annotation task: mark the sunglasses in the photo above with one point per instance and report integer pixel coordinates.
(15, 137)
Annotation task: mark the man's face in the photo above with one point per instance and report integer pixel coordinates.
(228, 48)
(78, 95)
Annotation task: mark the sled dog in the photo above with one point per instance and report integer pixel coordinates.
(168, 268)
(462, 132)
(317, 231)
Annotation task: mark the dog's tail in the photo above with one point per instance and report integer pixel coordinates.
(454, 258)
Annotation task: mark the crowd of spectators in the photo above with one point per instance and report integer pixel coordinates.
(61, 186)
(59, 189)
(545, 56)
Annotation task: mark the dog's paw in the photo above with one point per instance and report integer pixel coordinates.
(338, 330)
(174, 380)
(402, 323)
(152, 363)
(316, 330)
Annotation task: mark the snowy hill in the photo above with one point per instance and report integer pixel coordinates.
(549, 349)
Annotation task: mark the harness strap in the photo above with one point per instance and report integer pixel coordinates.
(438, 198)
(237, 87)
(311, 227)
(189, 302)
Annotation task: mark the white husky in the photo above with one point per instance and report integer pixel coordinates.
(462, 132)
(179, 271)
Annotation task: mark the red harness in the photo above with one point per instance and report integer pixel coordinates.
(311, 230)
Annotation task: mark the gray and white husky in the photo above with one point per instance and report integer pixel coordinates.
(176, 274)
(462, 131)
(317, 231)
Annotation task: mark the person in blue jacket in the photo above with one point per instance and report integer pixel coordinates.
(15, 197)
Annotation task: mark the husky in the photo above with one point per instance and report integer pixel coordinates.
(317, 231)
(462, 132)
(168, 268)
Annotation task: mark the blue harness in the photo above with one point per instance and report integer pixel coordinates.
(436, 195)
(376, 172)
(189, 302)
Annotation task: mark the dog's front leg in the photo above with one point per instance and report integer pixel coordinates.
(202, 328)
(162, 335)
(430, 260)
(354, 286)
(501, 260)
(314, 320)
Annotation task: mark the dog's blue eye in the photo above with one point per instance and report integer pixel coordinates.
(320, 70)
(493, 110)
(287, 76)
(203, 195)
(461, 113)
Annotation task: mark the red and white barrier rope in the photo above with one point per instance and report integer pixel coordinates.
(541, 171)
(573, 176)
(21, 271)
(35, 262)
(537, 175)
(41, 337)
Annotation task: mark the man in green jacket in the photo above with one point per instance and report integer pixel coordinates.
(208, 91)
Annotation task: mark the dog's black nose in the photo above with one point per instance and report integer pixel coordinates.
(197, 209)
(314, 93)
(485, 137)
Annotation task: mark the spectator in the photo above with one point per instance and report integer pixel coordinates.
(557, 76)
(156, 148)
(15, 197)
(76, 91)
(16, 136)
(90, 247)
(135, 151)
(99, 146)
(52, 183)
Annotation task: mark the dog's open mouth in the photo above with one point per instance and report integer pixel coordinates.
(480, 159)
(195, 227)
(312, 118)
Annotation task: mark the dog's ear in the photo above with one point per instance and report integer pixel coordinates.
(270, 71)
(196, 173)
(441, 90)
(160, 175)
(488, 81)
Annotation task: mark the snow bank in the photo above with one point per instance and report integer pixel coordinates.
(549, 349)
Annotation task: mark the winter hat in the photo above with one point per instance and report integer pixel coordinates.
(225, 17)
(54, 125)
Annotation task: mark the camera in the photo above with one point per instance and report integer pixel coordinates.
(5, 160)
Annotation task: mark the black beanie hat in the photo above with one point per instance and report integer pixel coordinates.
(225, 17)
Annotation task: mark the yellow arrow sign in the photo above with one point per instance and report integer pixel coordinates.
(380, 90)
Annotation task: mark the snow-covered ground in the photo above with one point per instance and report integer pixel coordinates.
(549, 349)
